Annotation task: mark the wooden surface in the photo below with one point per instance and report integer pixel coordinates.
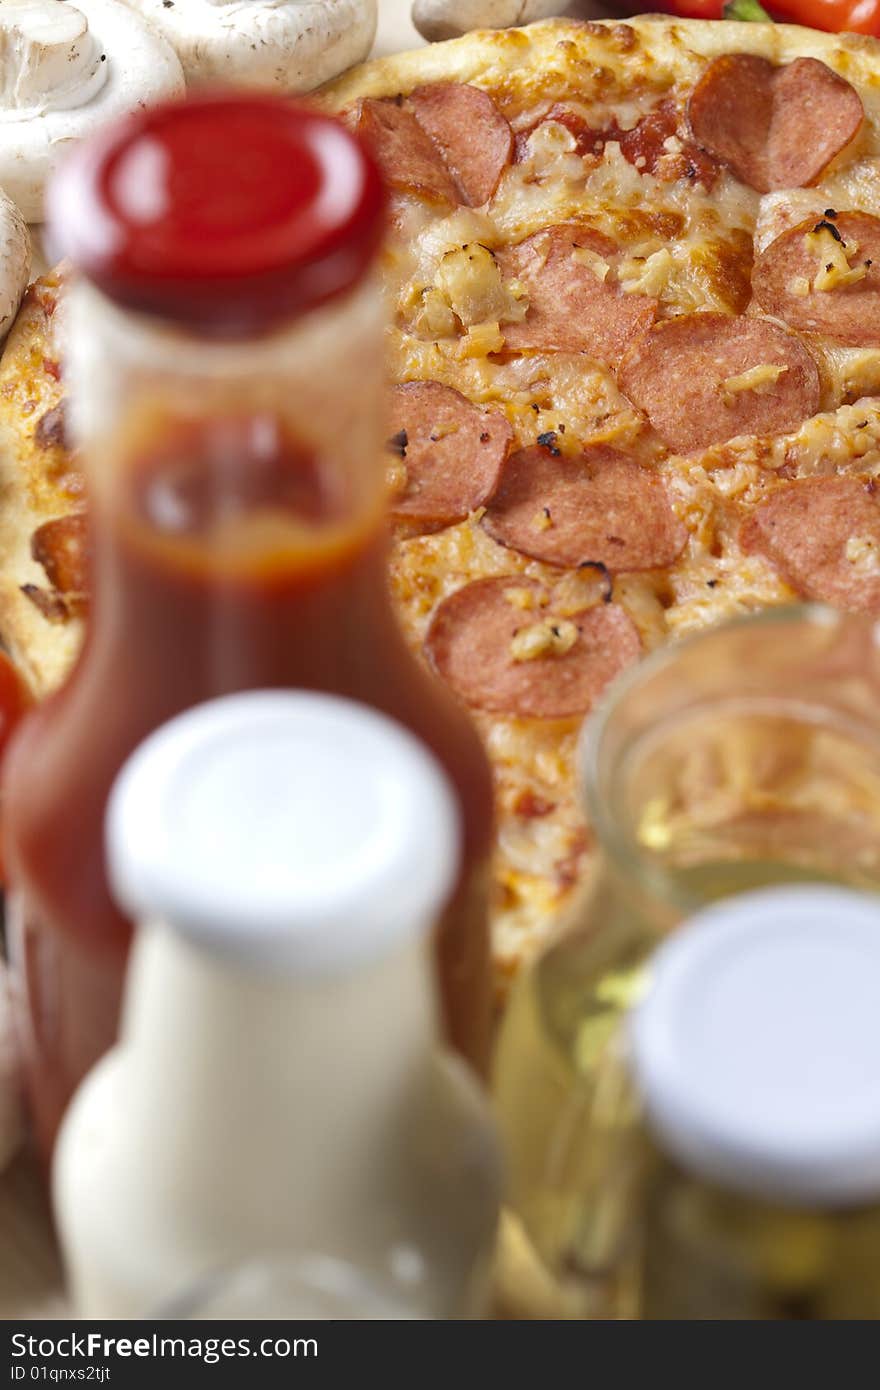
(30, 1275)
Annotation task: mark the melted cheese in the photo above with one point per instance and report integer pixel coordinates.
(469, 281)
(760, 378)
(854, 187)
(836, 261)
(549, 637)
(650, 274)
(582, 255)
(863, 553)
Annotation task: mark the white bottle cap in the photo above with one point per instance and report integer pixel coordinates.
(757, 1045)
(285, 828)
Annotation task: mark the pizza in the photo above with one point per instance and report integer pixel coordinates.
(633, 276)
(42, 519)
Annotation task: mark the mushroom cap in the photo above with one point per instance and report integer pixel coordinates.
(65, 68)
(278, 45)
(447, 19)
(15, 261)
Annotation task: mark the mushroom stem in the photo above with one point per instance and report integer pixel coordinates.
(49, 61)
(15, 261)
(65, 68)
(447, 19)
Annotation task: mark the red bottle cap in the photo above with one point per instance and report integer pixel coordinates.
(225, 213)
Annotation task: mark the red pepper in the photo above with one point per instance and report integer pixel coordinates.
(15, 700)
(835, 16)
(693, 9)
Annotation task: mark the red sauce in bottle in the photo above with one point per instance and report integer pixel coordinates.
(225, 557)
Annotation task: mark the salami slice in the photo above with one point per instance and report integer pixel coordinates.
(500, 647)
(470, 132)
(774, 127)
(705, 378)
(409, 160)
(848, 309)
(452, 452)
(574, 304)
(599, 508)
(823, 536)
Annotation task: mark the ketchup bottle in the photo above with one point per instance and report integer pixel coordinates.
(225, 366)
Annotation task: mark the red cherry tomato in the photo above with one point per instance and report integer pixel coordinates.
(695, 9)
(15, 700)
(836, 16)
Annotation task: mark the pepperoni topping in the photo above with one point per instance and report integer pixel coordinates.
(470, 132)
(823, 536)
(599, 508)
(644, 146)
(60, 546)
(501, 646)
(705, 378)
(589, 140)
(409, 160)
(448, 143)
(574, 306)
(843, 252)
(452, 452)
(775, 127)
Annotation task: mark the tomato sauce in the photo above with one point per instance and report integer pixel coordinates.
(645, 145)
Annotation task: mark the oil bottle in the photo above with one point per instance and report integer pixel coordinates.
(745, 757)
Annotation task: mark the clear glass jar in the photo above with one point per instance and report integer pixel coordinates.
(746, 756)
(753, 1054)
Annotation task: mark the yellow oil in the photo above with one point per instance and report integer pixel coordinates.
(712, 1255)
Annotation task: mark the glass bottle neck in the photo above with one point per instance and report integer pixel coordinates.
(287, 426)
(221, 1060)
(237, 494)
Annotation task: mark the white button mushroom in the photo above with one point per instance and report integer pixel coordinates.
(15, 261)
(282, 45)
(11, 1110)
(446, 19)
(65, 68)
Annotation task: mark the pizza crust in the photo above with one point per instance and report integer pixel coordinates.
(44, 652)
(36, 485)
(529, 58)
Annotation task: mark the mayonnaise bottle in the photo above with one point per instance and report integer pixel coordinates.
(278, 1085)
